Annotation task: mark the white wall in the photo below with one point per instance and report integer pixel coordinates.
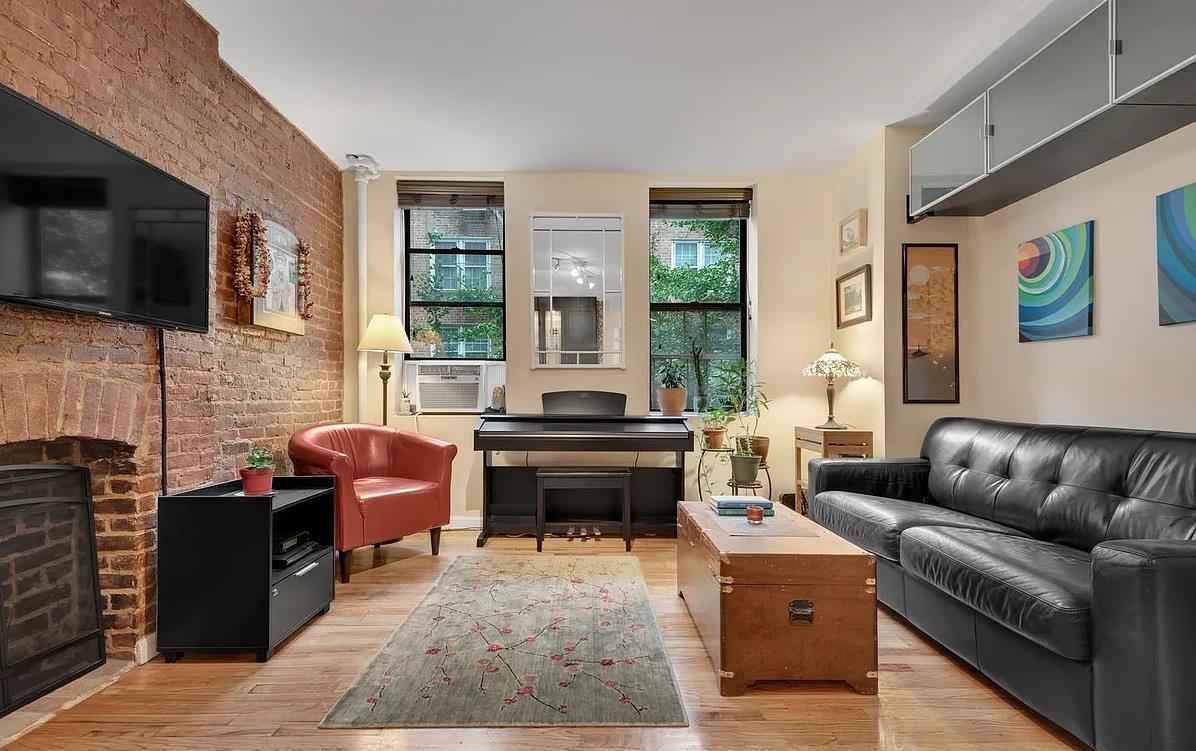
(791, 237)
(1132, 372)
(905, 424)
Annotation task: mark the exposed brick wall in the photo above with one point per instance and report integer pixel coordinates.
(146, 75)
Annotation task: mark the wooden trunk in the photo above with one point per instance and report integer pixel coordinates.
(784, 601)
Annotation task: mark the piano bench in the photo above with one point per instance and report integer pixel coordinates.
(584, 478)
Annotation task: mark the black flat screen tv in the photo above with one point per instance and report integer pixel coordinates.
(86, 227)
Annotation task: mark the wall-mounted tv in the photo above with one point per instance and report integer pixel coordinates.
(88, 228)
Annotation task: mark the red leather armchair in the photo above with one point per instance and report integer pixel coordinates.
(389, 483)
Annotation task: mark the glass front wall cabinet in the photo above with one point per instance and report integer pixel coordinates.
(577, 291)
(950, 157)
(1155, 37)
(1065, 82)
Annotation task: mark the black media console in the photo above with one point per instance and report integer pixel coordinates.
(217, 588)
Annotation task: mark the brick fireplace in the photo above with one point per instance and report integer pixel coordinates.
(146, 75)
(124, 523)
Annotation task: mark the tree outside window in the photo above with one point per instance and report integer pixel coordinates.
(697, 296)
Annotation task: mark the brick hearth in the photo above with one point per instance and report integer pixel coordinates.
(146, 75)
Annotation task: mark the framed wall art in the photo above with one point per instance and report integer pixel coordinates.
(853, 232)
(853, 297)
(930, 323)
(1054, 284)
(1175, 221)
(281, 306)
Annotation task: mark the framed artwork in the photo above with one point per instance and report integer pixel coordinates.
(1054, 284)
(853, 232)
(1175, 222)
(280, 307)
(853, 297)
(930, 323)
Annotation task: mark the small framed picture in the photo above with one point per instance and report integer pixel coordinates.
(853, 232)
(853, 297)
(279, 309)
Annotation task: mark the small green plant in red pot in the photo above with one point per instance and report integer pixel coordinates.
(257, 477)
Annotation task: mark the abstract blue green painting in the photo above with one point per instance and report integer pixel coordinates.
(1175, 222)
(1054, 284)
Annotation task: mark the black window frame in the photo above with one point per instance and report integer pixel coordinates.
(699, 307)
(408, 301)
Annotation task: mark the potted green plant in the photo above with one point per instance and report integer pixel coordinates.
(714, 427)
(672, 395)
(257, 477)
(405, 403)
(741, 391)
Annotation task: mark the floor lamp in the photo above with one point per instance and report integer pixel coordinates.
(384, 334)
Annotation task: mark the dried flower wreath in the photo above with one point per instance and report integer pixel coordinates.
(251, 259)
(306, 303)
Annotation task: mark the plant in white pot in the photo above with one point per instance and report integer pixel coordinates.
(257, 477)
(741, 391)
(672, 395)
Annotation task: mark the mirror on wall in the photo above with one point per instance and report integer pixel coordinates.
(577, 291)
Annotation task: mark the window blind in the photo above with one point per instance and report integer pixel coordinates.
(441, 194)
(699, 203)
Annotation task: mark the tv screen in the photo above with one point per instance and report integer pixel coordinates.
(87, 227)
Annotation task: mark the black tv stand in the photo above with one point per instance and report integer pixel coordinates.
(217, 589)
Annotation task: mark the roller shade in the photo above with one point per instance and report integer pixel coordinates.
(700, 203)
(440, 194)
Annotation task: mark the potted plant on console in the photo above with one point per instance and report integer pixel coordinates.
(672, 395)
(742, 391)
(257, 477)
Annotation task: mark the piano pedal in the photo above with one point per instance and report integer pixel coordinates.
(597, 534)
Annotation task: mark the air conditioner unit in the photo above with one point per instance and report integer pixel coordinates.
(450, 387)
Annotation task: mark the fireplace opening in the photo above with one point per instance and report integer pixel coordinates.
(51, 630)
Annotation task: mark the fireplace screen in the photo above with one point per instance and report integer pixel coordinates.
(50, 612)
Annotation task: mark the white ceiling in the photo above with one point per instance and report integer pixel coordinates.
(688, 86)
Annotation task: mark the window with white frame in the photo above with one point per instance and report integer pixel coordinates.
(458, 344)
(695, 254)
(461, 271)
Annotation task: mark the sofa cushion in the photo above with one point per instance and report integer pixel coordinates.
(1071, 485)
(1041, 590)
(876, 524)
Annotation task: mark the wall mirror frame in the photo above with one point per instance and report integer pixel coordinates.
(577, 301)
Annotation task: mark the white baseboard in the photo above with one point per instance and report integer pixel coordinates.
(146, 648)
(469, 521)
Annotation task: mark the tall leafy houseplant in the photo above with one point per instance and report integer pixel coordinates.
(257, 476)
(747, 401)
(672, 394)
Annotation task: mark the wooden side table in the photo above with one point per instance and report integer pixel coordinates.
(831, 444)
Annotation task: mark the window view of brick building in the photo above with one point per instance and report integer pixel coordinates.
(696, 300)
(455, 282)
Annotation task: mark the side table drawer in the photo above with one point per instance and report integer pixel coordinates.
(296, 598)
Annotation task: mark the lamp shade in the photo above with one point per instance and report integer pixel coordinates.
(833, 365)
(385, 334)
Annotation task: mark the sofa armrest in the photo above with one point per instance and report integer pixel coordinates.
(904, 479)
(1144, 654)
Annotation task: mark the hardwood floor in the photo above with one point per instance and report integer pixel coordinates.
(927, 700)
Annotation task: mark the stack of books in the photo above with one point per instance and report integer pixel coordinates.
(736, 505)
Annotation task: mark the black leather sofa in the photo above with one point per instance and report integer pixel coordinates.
(1058, 561)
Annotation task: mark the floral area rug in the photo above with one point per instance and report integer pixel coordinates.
(505, 641)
